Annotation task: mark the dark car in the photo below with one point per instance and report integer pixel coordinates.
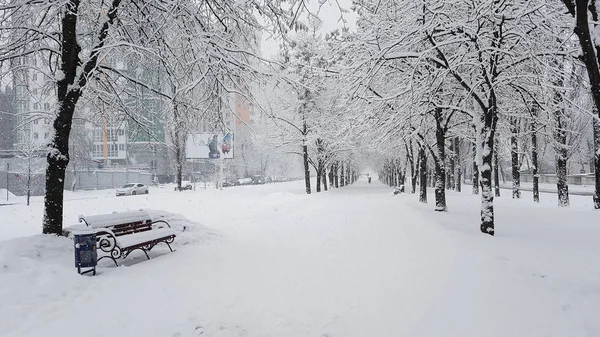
(258, 180)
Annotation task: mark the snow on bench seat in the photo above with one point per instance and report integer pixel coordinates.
(135, 239)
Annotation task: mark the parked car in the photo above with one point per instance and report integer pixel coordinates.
(132, 189)
(258, 180)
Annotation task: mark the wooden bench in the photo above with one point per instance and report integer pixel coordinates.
(119, 234)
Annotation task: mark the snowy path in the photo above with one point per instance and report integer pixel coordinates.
(351, 262)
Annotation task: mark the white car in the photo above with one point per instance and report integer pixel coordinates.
(132, 189)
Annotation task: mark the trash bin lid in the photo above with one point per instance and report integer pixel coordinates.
(83, 231)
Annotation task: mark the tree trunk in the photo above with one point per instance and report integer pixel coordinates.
(178, 143)
(450, 171)
(414, 176)
(440, 169)
(496, 169)
(324, 179)
(534, 159)
(514, 156)
(489, 120)
(28, 175)
(306, 168)
(561, 168)
(457, 171)
(336, 176)
(58, 154)
(348, 174)
(399, 173)
(331, 171)
(423, 175)
(560, 145)
(319, 175)
(342, 175)
(591, 58)
(475, 180)
(68, 92)
(414, 167)
(596, 197)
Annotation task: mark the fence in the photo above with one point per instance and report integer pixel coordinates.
(79, 180)
(582, 179)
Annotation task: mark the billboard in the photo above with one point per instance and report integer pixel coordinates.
(209, 146)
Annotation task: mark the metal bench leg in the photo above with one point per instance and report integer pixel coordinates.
(142, 249)
(169, 246)
(145, 252)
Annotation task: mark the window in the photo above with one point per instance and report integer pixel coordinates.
(35, 121)
(121, 147)
(112, 150)
(35, 91)
(97, 151)
(46, 121)
(121, 132)
(36, 106)
(98, 135)
(35, 135)
(46, 106)
(46, 134)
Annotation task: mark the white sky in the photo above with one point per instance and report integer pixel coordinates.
(330, 17)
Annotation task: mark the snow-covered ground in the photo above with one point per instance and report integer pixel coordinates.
(271, 261)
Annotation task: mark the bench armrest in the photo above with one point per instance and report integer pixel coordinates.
(159, 224)
(106, 240)
(82, 219)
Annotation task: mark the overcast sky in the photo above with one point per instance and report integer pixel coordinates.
(330, 18)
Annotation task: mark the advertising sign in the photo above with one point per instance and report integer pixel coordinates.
(209, 146)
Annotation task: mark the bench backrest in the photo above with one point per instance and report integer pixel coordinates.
(120, 223)
(130, 228)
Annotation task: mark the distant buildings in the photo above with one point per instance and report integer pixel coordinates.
(33, 103)
(7, 120)
(131, 132)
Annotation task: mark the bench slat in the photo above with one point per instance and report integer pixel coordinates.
(130, 240)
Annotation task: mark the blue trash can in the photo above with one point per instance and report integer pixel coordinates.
(86, 255)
